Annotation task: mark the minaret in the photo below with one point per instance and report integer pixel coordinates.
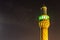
(44, 23)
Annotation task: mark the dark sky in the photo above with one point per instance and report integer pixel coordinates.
(18, 19)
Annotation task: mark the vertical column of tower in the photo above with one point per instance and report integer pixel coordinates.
(44, 34)
(44, 24)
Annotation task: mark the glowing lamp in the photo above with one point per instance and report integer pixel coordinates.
(43, 17)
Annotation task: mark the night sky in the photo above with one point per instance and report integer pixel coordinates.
(19, 19)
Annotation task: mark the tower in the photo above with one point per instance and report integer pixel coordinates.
(44, 23)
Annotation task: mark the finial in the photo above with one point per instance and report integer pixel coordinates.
(44, 9)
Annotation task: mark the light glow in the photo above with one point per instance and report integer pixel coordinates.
(43, 17)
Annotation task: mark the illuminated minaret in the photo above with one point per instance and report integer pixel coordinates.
(44, 23)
